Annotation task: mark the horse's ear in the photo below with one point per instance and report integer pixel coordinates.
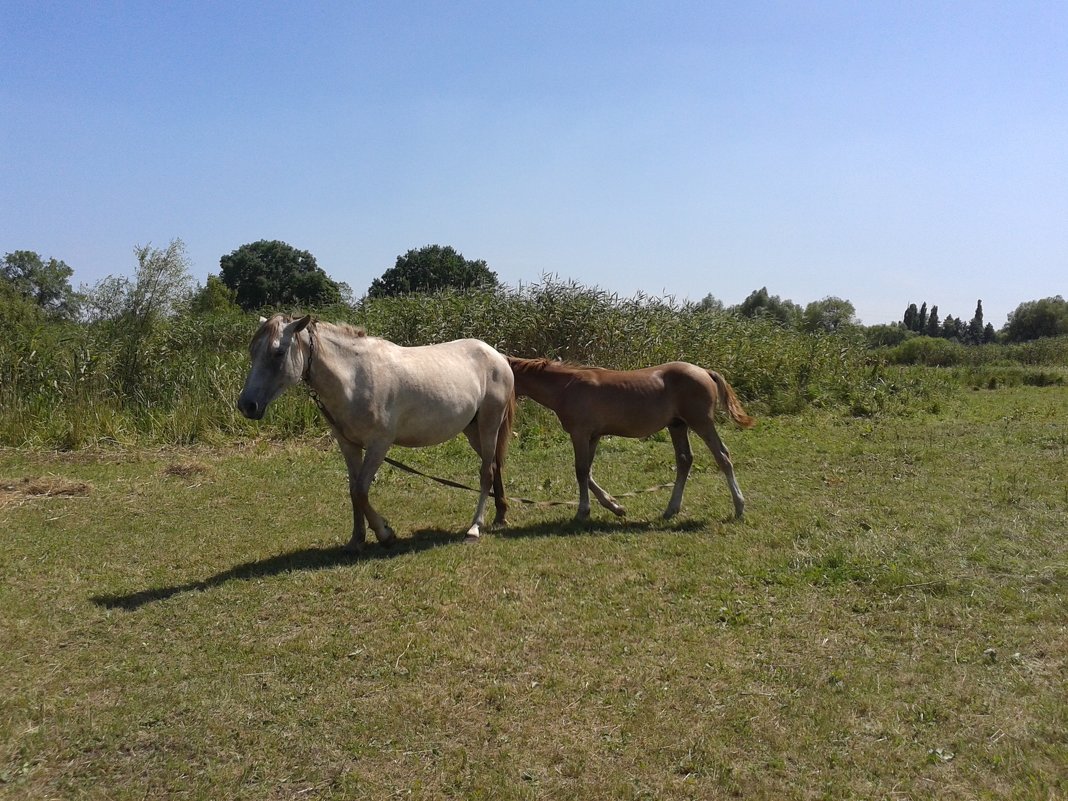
(263, 320)
(302, 323)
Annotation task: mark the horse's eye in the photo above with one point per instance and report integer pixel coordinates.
(278, 354)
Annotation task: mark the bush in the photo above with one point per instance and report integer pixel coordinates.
(67, 385)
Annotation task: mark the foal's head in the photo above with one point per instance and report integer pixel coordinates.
(278, 360)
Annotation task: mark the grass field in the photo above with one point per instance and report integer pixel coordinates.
(890, 622)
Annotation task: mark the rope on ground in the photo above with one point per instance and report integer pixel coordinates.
(533, 502)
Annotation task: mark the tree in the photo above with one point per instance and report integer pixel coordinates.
(275, 274)
(761, 304)
(214, 297)
(934, 328)
(161, 284)
(952, 328)
(1037, 318)
(710, 303)
(431, 269)
(911, 316)
(921, 319)
(975, 325)
(885, 334)
(45, 283)
(828, 315)
(133, 308)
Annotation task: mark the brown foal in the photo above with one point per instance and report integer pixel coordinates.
(592, 402)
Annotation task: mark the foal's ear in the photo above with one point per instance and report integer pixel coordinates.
(302, 323)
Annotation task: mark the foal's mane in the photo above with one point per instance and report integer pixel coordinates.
(541, 364)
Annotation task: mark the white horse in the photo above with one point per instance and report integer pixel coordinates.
(375, 394)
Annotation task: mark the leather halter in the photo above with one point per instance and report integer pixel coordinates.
(306, 378)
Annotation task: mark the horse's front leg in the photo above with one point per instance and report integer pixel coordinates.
(372, 460)
(585, 449)
(603, 498)
(354, 462)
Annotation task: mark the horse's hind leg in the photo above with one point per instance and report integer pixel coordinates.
(683, 461)
(500, 503)
(708, 433)
(483, 439)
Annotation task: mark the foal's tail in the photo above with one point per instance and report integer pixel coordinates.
(730, 402)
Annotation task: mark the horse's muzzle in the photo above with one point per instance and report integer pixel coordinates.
(251, 409)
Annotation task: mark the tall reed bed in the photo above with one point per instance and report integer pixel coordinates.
(175, 381)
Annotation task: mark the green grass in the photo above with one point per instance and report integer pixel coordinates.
(889, 622)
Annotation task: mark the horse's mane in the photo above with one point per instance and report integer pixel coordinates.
(343, 328)
(540, 364)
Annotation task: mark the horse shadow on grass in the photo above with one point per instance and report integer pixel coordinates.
(323, 558)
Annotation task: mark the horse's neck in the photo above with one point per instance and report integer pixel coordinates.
(543, 384)
(333, 361)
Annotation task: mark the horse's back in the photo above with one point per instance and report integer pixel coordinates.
(437, 390)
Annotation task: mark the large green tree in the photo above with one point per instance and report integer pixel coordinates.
(47, 284)
(214, 297)
(828, 315)
(274, 274)
(431, 269)
(761, 304)
(1038, 318)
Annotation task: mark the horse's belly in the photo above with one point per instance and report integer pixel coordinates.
(422, 439)
(432, 423)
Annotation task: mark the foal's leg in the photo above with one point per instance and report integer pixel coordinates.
(585, 449)
(583, 462)
(603, 498)
(354, 462)
(372, 460)
(707, 432)
(683, 461)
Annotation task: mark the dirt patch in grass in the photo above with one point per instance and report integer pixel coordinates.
(186, 469)
(15, 491)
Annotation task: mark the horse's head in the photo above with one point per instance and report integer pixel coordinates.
(278, 361)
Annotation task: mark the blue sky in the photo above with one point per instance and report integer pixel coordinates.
(884, 152)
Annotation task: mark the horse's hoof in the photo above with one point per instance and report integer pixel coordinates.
(670, 513)
(389, 540)
(619, 511)
(470, 538)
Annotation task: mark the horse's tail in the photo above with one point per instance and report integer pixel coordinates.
(730, 402)
(504, 433)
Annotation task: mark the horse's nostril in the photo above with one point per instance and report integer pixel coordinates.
(247, 408)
